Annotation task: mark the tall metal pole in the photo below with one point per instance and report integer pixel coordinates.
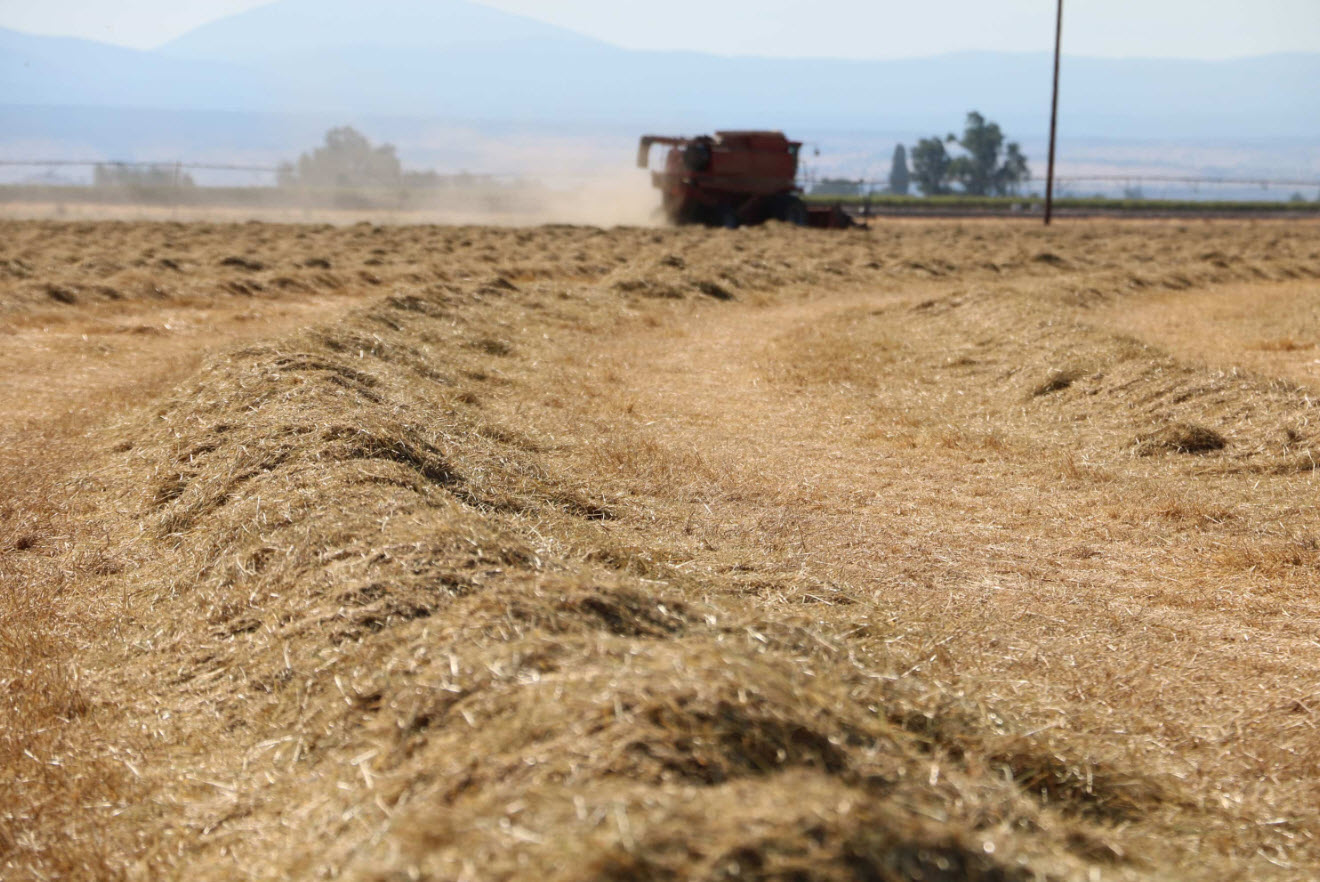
(1054, 117)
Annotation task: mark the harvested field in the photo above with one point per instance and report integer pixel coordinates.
(936, 551)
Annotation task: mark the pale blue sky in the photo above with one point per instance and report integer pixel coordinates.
(821, 28)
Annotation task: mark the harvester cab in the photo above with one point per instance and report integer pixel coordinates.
(733, 178)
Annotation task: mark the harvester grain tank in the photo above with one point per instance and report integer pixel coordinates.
(734, 178)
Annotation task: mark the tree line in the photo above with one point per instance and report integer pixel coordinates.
(139, 177)
(987, 166)
(349, 160)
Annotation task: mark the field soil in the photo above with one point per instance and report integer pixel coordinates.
(932, 551)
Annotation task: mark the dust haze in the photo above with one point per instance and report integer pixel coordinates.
(512, 179)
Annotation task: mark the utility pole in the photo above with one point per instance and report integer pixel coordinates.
(1054, 116)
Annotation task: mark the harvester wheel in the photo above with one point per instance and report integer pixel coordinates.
(729, 218)
(792, 210)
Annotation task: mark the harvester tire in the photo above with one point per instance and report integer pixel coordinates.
(792, 210)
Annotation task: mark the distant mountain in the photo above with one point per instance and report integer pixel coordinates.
(458, 60)
(65, 71)
(298, 27)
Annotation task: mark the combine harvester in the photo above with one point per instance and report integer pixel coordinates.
(735, 178)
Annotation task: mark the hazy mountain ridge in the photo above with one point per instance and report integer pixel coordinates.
(456, 60)
(61, 71)
(295, 26)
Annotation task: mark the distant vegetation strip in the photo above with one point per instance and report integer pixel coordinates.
(955, 202)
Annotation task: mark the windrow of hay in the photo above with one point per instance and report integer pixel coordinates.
(1181, 438)
(428, 592)
(366, 625)
(53, 267)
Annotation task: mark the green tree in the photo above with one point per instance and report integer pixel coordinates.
(981, 171)
(347, 159)
(930, 166)
(1012, 172)
(899, 176)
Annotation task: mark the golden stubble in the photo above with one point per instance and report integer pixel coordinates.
(658, 553)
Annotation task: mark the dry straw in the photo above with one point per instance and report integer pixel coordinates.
(646, 554)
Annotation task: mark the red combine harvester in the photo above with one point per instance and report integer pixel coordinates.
(735, 178)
